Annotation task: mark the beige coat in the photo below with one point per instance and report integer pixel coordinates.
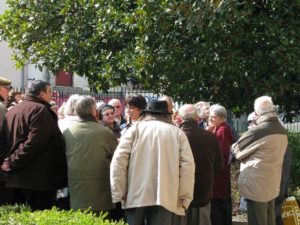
(261, 150)
(153, 165)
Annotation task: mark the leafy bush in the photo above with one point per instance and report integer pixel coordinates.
(294, 144)
(21, 215)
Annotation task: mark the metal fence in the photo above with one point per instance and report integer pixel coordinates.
(61, 95)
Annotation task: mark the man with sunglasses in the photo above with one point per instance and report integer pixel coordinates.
(116, 104)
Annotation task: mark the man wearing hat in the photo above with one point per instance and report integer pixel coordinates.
(4, 89)
(152, 170)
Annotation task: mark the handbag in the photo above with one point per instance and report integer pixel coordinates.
(290, 212)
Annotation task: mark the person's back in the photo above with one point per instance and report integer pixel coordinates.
(261, 150)
(89, 149)
(157, 147)
(208, 160)
(152, 170)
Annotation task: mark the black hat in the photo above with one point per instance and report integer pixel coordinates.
(157, 107)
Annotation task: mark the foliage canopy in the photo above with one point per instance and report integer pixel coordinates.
(230, 53)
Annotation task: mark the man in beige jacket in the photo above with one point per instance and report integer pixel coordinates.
(152, 170)
(261, 150)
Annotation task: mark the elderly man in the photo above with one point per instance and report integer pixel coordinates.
(118, 111)
(4, 89)
(89, 149)
(261, 150)
(32, 149)
(208, 160)
(152, 171)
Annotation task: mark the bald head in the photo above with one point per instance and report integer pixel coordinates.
(188, 112)
(116, 104)
(263, 104)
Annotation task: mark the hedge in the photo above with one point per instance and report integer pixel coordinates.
(21, 215)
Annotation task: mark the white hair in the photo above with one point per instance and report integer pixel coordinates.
(69, 107)
(201, 108)
(84, 106)
(114, 101)
(219, 110)
(263, 104)
(187, 112)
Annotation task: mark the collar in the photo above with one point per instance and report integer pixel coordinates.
(189, 124)
(37, 99)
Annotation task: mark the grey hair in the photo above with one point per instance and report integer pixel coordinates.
(219, 110)
(263, 104)
(201, 108)
(35, 87)
(69, 108)
(84, 106)
(188, 112)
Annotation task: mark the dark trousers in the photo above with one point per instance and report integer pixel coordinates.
(221, 212)
(261, 213)
(5, 194)
(37, 200)
(150, 215)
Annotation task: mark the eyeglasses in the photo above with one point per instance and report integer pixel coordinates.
(117, 106)
(107, 114)
(6, 87)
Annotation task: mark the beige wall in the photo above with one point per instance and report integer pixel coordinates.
(20, 78)
(7, 66)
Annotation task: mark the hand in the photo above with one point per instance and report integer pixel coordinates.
(210, 128)
(181, 203)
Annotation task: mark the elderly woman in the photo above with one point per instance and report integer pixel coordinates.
(221, 203)
(89, 149)
(68, 110)
(107, 118)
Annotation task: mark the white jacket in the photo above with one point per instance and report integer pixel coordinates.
(153, 165)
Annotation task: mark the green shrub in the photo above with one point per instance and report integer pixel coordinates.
(294, 144)
(21, 215)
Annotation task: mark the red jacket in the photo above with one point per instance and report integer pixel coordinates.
(221, 180)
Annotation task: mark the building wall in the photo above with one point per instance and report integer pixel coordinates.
(7, 66)
(21, 77)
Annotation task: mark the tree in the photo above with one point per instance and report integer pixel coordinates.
(229, 52)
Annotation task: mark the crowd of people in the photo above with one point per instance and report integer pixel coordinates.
(154, 165)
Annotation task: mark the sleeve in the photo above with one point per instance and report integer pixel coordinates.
(119, 166)
(40, 131)
(245, 146)
(3, 142)
(111, 143)
(186, 170)
(224, 137)
(219, 159)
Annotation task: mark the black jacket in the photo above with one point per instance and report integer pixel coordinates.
(208, 160)
(33, 145)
